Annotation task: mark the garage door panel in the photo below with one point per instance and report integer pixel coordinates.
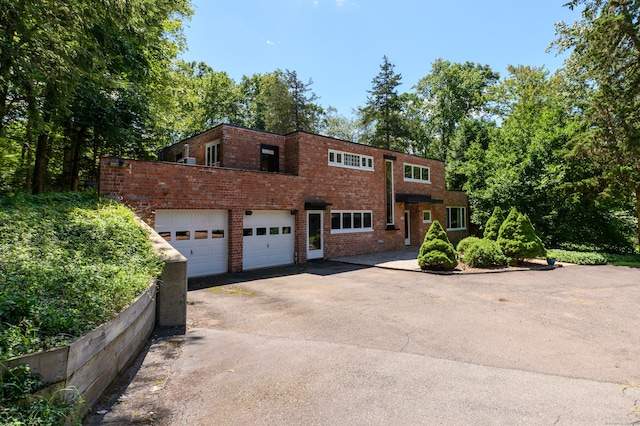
(271, 241)
(199, 235)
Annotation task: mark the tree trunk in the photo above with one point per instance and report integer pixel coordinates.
(40, 167)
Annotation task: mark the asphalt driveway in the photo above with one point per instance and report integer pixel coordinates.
(331, 343)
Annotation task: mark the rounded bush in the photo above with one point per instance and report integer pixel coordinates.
(464, 244)
(484, 254)
(436, 251)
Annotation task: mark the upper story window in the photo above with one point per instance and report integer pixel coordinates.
(415, 173)
(352, 161)
(212, 153)
(269, 158)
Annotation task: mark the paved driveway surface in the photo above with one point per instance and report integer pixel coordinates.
(331, 343)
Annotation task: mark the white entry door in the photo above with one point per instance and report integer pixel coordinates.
(199, 235)
(315, 237)
(268, 239)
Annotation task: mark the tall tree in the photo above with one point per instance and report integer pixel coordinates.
(289, 104)
(79, 73)
(605, 59)
(450, 93)
(383, 111)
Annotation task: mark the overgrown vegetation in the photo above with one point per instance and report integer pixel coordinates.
(68, 263)
(19, 405)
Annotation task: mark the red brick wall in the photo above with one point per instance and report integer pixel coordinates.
(305, 177)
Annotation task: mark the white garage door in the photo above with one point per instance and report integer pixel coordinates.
(268, 239)
(200, 235)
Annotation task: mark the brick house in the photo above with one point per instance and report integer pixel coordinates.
(233, 199)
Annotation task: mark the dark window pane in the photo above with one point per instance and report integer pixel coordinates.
(217, 233)
(247, 232)
(335, 220)
(274, 231)
(407, 172)
(346, 220)
(357, 220)
(367, 220)
(183, 235)
(261, 231)
(286, 229)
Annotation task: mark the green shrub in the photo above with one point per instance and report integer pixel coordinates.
(484, 253)
(436, 251)
(19, 405)
(68, 263)
(517, 238)
(595, 258)
(492, 227)
(464, 244)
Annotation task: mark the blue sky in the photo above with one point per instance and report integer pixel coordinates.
(339, 44)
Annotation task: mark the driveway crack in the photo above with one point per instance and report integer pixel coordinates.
(408, 336)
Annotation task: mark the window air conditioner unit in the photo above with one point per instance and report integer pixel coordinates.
(188, 160)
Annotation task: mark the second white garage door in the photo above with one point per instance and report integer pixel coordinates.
(268, 239)
(201, 237)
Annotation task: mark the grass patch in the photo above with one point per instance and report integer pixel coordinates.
(595, 258)
(68, 263)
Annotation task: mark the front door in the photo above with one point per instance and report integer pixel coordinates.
(315, 243)
(407, 229)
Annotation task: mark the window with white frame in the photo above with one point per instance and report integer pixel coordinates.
(416, 173)
(212, 153)
(351, 221)
(426, 216)
(352, 161)
(456, 218)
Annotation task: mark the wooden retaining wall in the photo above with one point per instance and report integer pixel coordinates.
(90, 364)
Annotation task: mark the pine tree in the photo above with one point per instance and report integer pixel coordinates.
(518, 239)
(436, 251)
(492, 228)
(384, 108)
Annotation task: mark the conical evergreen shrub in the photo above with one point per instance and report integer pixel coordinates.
(518, 239)
(492, 227)
(436, 251)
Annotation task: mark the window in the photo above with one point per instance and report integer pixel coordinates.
(269, 158)
(201, 235)
(274, 231)
(415, 173)
(183, 235)
(426, 216)
(389, 190)
(212, 153)
(352, 161)
(456, 218)
(247, 232)
(166, 235)
(217, 233)
(261, 231)
(350, 221)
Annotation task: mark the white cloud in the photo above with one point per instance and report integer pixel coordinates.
(271, 43)
(340, 3)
